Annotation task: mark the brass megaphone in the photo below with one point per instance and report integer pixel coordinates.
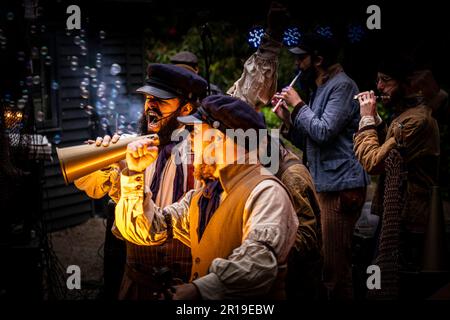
(78, 161)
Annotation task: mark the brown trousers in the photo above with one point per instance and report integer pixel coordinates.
(339, 212)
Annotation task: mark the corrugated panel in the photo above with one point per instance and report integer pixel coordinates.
(65, 205)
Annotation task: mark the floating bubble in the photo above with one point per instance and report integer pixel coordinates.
(118, 84)
(104, 121)
(115, 69)
(100, 93)
(21, 56)
(98, 56)
(43, 28)
(21, 83)
(122, 119)
(98, 63)
(68, 33)
(94, 83)
(25, 96)
(21, 103)
(32, 29)
(89, 109)
(10, 16)
(86, 80)
(102, 34)
(111, 105)
(82, 43)
(25, 91)
(57, 139)
(40, 116)
(85, 94)
(34, 53)
(86, 70)
(74, 63)
(114, 93)
(48, 60)
(103, 100)
(84, 51)
(93, 73)
(81, 105)
(29, 81)
(36, 80)
(55, 85)
(77, 40)
(82, 33)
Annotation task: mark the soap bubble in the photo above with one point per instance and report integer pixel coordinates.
(40, 116)
(98, 63)
(55, 85)
(21, 103)
(77, 40)
(118, 84)
(102, 34)
(44, 51)
(10, 16)
(56, 139)
(48, 61)
(111, 105)
(84, 51)
(115, 69)
(36, 80)
(86, 70)
(21, 56)
(85, 94)
(93, 73)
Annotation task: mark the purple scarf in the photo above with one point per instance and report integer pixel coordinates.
(178, 182)
(208, 203)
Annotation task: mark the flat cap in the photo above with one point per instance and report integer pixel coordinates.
(225, 112)
(167, 81)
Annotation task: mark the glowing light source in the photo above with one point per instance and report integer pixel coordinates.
(255, 36)
(291, 37)
(324, 31)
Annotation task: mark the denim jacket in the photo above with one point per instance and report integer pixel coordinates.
(324, 130)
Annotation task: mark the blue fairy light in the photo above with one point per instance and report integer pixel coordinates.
(291, 37)
(255, 36)
(355, 33)
(324, 31)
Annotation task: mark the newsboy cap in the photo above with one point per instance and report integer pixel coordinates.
(166, 81)
(312, 43)
(225, 112)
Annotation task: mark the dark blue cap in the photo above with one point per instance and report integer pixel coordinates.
(225, 112)
(166, 81)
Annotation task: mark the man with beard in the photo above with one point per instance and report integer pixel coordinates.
(260, 70)
(170, 91)
(240, 224)
(407, 153)
(323, 129)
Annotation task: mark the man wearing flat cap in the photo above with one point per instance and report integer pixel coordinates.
(323, 128)
(170, 91)
(406, 156)
(189, 60)
(240, 224)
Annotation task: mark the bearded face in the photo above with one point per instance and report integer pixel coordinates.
(161, 117)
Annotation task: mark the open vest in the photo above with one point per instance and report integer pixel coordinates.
(223, 232)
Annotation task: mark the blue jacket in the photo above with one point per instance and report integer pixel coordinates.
(324, 131)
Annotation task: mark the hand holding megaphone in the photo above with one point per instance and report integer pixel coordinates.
(141, 153)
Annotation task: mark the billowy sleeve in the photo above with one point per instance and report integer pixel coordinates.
(258, 82)
(141, 222)
(269, 231)
(101, 182)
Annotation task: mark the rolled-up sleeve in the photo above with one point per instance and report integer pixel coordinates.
(337, 112)
(269, 231)
(258, 82)
(141, 222)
